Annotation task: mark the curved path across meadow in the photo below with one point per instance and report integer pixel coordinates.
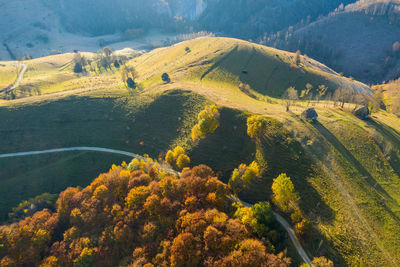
(19, 79)
(279, 218)
(21, 74)
(81, 148)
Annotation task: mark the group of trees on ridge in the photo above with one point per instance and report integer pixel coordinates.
(339, 97)
(104, 59)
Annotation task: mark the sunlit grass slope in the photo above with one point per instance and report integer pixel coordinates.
(268, 71)
(8, 74)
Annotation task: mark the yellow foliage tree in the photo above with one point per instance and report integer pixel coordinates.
(243, 176)
(322, 262)
(208, 122)
(177, 158)
(284, 195)
(256, 125)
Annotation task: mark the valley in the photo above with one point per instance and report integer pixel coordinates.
(146, 134)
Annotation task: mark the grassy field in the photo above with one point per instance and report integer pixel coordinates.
(8, 74)
(346, 170)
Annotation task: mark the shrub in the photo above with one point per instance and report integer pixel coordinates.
(29, 207)
(243, 176)
(131, 83)
(304, 228)
(182, 161)
(78, 67)
(322, 262)
(177, 158)
(165, 77)
(256, 126)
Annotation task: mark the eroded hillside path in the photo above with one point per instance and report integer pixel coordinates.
(19, 79)
(21, 74)
(279, 218)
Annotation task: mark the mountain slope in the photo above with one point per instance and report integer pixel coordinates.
(252, 19)
(268, 71)
(359, 40)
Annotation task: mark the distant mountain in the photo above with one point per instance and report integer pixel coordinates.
(360, 40)
(31, 23)
(251, 19)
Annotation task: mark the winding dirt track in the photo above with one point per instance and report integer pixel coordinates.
(279, 218)
(83, 148)
(19, 79)
(21, 74)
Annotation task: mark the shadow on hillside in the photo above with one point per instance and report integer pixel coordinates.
(319, 246)
(227, 147)
(394, 138)
(219, 62)
(285, 155)
(349, 157)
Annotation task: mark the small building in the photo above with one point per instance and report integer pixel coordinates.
(362, 113)
(309, 114)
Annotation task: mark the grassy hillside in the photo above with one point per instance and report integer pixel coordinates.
(115, 122)
(8, 74)
(225, 62)
(357, 40)
(345, 170)
(390, 93)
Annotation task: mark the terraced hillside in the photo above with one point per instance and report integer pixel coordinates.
(345, 170)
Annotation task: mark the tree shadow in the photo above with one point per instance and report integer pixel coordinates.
(394, 137)
(227, 147)
(358, 166)
(349, 157)
(285, 155)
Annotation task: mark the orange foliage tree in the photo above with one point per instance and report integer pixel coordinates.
(137, 214)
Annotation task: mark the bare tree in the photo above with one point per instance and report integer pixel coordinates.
(297, 58)
(322, 90)
(359, 99)
(290, 96)
(107, 51)
(396, 106)
(306, 94)
(128, 72)
(342, 95)
(375, 102)
(328, 98)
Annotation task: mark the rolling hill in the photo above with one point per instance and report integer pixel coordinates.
(227, 62)
(358, 40)
(346, 170)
